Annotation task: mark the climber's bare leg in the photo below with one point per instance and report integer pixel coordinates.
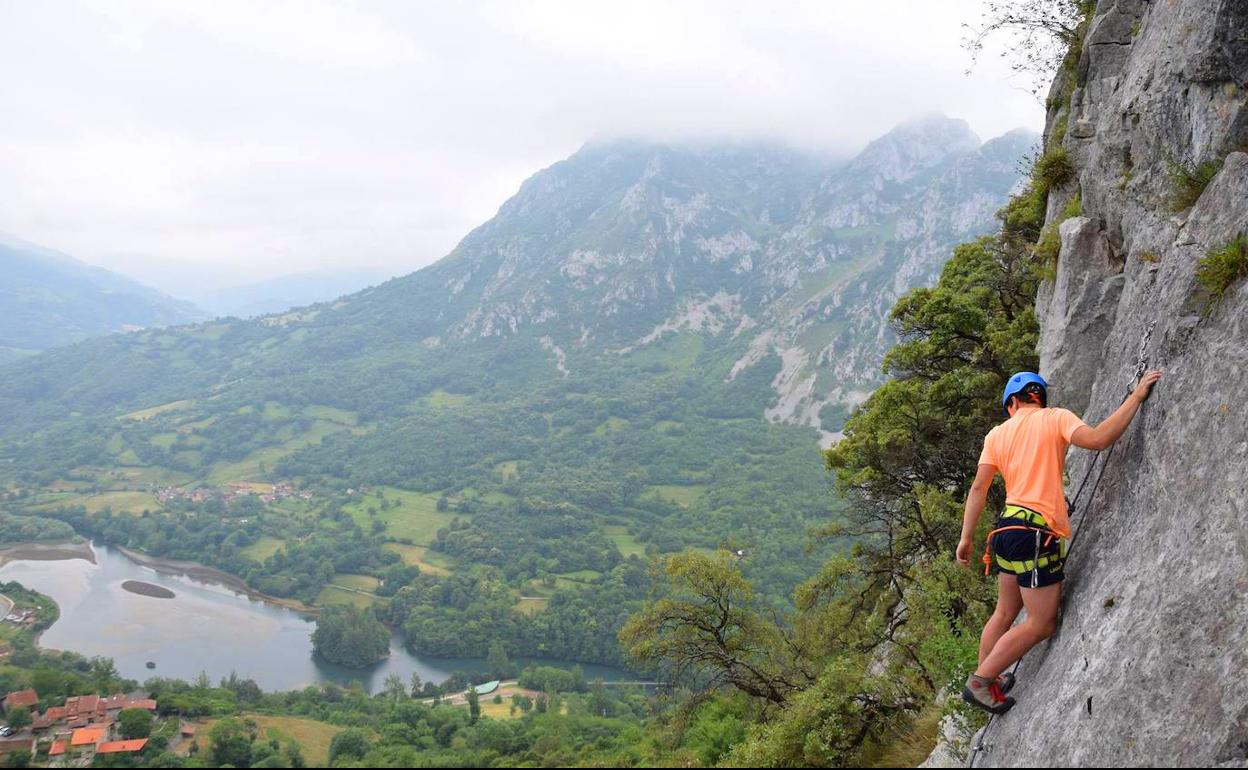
(1040, 623)
(1009, 603)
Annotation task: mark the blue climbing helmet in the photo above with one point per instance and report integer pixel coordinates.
(1017, 383)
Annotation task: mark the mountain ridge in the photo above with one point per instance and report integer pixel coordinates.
(701, 260)
(49, 298)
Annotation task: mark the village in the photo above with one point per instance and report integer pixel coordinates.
(73, 734)
(267, 493)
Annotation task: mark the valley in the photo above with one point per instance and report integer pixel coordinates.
(640, 354)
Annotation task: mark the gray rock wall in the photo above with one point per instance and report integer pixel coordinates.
(1149, 663)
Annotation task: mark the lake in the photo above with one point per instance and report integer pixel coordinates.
(206, 627)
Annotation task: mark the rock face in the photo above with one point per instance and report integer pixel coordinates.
(1147, 667)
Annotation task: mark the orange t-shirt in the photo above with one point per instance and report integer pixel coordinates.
(1029, 451)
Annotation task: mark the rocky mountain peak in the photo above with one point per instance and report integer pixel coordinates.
(916, 145)
(764, 250)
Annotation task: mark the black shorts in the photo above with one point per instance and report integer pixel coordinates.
(1014, 552)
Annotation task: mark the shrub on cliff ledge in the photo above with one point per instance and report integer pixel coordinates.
(1221, 268)
(1055, 168)
(1188, 182)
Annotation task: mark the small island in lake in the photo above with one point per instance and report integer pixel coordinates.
(147, 589)
(350, 637)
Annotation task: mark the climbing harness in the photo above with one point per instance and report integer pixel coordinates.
(1141, 366)
(1035, 523)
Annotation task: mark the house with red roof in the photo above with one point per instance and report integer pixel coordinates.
(88, 736)
(59, 747)
(84, 710)
(27, 698)
(121, 747)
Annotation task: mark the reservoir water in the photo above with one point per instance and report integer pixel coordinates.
(205, 627)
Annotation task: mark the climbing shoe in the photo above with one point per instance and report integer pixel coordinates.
(1006, 681)
(987, 695)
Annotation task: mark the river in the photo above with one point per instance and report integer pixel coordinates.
(205, 627)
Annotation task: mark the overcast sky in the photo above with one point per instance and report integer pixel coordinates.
(220, 141)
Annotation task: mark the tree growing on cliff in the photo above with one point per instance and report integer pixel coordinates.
(709, 628)
(350, 636)
(1041, 34)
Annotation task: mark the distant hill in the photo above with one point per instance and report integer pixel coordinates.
(278, 295)
(49, 299)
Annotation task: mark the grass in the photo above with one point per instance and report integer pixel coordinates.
(332, 594)
(313, 737)
(494, 498)
(442, 399)
(531, 605)
(679, 494)
(146, 414)
(120, 501)
(677, 350)
(263, 549)
(143, 476)
(508, 470)
(358, 582)
(415, 518)
(423, 559)
(1188, 182)
(611, 425)
(163, 440)
(258, 464)
(498, 710)
(275, 412)
(1221, 268)
(627, 544)
(332, 414)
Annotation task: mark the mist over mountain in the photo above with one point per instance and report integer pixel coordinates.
(276, 295)
(49, 298)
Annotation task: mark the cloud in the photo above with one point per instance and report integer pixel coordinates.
(197, 140)
(333, 35)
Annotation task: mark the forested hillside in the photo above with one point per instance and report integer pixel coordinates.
(637, 354)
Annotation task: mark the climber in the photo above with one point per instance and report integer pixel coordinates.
(1028, 543)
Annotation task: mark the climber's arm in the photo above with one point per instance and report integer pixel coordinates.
(975, 501)
(1111, 428)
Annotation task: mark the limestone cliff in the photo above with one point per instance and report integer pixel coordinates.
(1148, 665)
